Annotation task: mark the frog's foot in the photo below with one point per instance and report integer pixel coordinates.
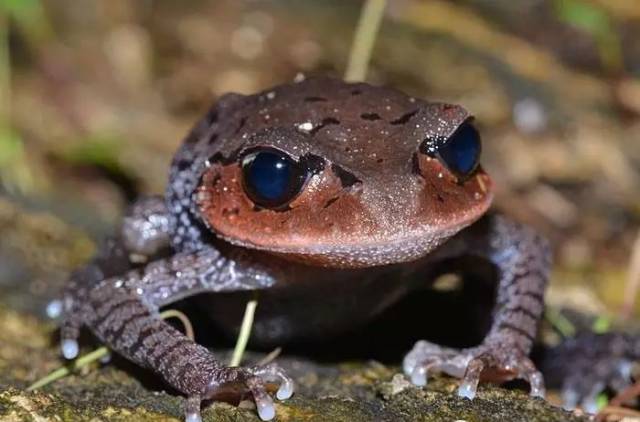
(235, 381)
(583, 388)
(495, 361)
(588, 364)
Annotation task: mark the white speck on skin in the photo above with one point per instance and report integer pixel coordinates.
(440, 175)
(306, 126)
(271, 95)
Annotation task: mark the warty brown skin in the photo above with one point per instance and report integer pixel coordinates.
(379, 206)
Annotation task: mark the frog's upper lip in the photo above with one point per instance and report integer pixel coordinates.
(401, 245)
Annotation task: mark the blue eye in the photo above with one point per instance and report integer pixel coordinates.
(271, 178)
(461, 152)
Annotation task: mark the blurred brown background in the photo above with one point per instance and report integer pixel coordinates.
(96, 95)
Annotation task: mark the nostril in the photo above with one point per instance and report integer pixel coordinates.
(347, 179)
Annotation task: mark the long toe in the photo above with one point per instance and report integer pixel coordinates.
(264, 402)
(274, 373)
(469, 385)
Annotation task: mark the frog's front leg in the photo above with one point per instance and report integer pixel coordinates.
(144, 232)
(122, 311)
(523, 260)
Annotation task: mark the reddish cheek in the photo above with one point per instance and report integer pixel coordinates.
(322, 209)
(445, 198)
(220, 196)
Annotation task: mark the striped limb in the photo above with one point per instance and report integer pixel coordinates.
(144, 232)
(119, 303)
(122, 311)
(523, 260)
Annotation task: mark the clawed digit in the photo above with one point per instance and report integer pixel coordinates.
(469, 364)
(252, 379)
(273, 372)
(583, 387)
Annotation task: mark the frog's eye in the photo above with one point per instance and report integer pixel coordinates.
(271, 178)
(461, 152)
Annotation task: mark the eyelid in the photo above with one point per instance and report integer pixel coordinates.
(430, 146)
(313, 163)
(254, 149)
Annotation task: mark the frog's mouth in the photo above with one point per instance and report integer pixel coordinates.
(405, 248)
(333, 227)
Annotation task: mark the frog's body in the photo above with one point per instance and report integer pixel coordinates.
(335, 200)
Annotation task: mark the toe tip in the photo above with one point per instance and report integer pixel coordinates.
(54, 309)
(69, 349)
(266, 411)
(467, 390)
(419, 377)
(285, 391)
(193, 417)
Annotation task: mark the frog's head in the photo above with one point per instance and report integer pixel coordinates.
(342, 175)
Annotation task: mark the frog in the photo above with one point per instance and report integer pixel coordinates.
(331, 201)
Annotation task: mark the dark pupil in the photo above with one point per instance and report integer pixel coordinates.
(461, 153)
(271, 178)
